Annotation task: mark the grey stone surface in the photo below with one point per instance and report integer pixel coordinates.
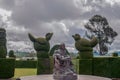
(50, 77)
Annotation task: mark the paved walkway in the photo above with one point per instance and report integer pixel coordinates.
(49, 77)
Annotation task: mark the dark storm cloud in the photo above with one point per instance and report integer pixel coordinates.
(32, 11)
(7, 4)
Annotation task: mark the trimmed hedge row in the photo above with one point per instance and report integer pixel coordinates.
(105, 67)
(25, 64)
(7, 68)
(85, 66)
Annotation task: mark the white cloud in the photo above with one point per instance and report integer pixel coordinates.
(19, 46)
(113, 2)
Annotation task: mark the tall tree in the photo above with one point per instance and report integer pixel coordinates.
(98, 26)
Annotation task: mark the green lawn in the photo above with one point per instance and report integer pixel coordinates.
(24, 72)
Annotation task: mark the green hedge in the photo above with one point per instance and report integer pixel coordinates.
(43, 66)
(25, 64)
(7, 68)
(101, 67)
(85, 66)
(115, 67)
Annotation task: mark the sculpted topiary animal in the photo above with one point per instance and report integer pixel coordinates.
(3, 48)
(84, 46)
(41, 45)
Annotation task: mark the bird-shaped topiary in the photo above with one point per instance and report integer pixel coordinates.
(84, 46)
(41, 45)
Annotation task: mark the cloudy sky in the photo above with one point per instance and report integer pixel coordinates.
(62, 17)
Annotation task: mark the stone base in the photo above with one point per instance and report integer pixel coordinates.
(50, 77)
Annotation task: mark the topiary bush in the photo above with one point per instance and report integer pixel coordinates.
(41, 45)
(101, 67)
(85, 66)
(43, 66)
(11, 54)
(7, 68)
(25, 64)
(6, 65)
(3, 48)
(84, 46)
(115, 54)
(114, 67)
(55, 47)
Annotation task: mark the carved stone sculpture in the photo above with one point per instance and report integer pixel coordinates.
(41, 45)
(63, 67)
(84, 46)
(3, 48)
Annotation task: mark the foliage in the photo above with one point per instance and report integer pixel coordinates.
(7, 67)
(11, 54)
(85, 66)
(84, 46)
(25, 64)
(3, 48)
(98, 26)
(115, 67)
(55, 47)
(101, 67)
(41, 45)
(43, 66)
(115, 54)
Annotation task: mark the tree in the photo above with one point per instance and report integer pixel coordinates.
(98, 26)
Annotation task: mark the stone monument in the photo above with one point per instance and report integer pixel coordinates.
(63, 67)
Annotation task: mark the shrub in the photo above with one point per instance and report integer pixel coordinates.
(115, 67)
(3, 48)
(101, 67)
(43, 66)
(7, 67)
(41, 45)
(85, 66)
(55, 47)
(25, 64)
(11, 54)
(115, 54)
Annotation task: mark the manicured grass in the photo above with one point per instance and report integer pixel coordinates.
(20, 72)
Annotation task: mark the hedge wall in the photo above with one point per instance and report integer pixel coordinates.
(115, 67)
(101, 67)
(7, 68)
(85, 66)
(25, 64)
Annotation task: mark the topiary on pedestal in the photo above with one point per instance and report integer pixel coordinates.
(42, 46)
(6, 65)
(84, 46)
(3, 49)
